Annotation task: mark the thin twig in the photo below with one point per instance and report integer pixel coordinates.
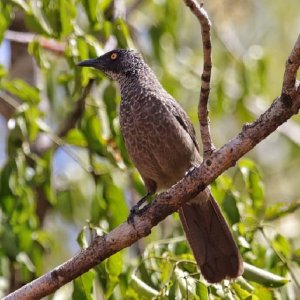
(204, 21)
(66, 148)
(291, 69)
(12, 102)
(284, 210)
(164, 204)
(8, 105)
(27, 37)
(19, 37)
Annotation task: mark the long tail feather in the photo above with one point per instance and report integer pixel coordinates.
(210, 239)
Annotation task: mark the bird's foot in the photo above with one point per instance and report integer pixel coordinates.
(135, 209)
(133, 212)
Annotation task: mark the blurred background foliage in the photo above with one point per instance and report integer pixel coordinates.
(65, 174)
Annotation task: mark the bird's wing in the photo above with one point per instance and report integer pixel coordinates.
(183, 119)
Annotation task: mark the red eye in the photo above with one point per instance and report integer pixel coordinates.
(114, 56)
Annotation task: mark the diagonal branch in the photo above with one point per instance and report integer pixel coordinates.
(8, 105)
(167, 202)
(204, 21)
(28, 37)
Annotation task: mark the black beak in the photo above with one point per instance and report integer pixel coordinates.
(89, 63)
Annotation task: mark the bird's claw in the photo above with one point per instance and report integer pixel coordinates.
(133, 212)
(136, 208)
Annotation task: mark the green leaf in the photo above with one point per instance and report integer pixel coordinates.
(23, 258)
(9, 243)
(201, 291)
(282, 245)
(43, 239)
(117, 207)
(43, 177)
(22, 90)
(243, 293)
(37, 20)
(106, 29)
(187, 284)
(109, 98)
(99, 205)
(244, 284)
(145, 273)
(264, 293)
(174, 290)
(166, 268)
(35, 49)
(91, 9)
(83, 286)
(279, 210)
(22, 4)
(229, 205)
(121, 32)
(4, 18)
(91, 128)
(263, 277)
(67, 13)
(86, 235)
(142, 289)
(3, 72)
(76, 138)
(31, 115)
(114, 264)
(111, 284)
(104, 5)
(296, 256)
(254, 185)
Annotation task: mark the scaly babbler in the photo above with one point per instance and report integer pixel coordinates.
(161, 141)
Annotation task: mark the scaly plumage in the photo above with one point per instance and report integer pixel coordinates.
(161, 141)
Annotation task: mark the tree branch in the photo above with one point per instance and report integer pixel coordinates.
(205, 24)
(27, 37)
(8, 105)
(168, 202)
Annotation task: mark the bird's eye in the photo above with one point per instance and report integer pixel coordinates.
(114, 56)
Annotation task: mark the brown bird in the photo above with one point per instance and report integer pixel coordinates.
(161, 141)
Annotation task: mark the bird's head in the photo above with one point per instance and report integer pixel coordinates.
(116, 63)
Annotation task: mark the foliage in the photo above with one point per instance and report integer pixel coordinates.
(84, 182)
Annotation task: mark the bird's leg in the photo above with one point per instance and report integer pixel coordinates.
(135, 208)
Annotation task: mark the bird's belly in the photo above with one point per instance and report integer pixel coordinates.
(160, 150)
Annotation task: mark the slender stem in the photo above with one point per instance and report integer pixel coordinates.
(291, 68)
(28, 37)
(204, 21)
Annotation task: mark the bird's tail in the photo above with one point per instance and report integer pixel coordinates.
(210, 239)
